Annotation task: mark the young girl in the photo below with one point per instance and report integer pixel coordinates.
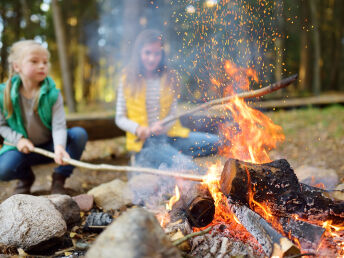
(148, 93)
(31, 115)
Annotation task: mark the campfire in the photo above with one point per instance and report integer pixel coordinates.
(256, 204)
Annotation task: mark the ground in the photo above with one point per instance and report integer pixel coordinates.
(313, 137)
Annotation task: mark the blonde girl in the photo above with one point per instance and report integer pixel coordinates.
(31, 115)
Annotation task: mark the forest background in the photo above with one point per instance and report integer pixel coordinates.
(90, 42)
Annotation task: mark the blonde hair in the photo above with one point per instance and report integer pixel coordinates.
(17, 51)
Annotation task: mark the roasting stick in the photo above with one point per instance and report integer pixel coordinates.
(107, 167)
(244, 95)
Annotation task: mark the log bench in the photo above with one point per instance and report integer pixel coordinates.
(100, 126)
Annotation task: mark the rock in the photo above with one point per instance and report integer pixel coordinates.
(318, 177)
(136, 233)
(339, 194)
(112, 195)
(26, 221)
(67, 207)
(84, 201)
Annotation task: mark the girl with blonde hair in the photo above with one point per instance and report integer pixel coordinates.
(31, 115)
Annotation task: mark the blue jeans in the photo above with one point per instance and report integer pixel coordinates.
(175, 152)
(15, 164)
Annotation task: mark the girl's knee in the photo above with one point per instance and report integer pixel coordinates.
(78, 135)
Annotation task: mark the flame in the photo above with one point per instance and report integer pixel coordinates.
(256, 134)
(250, 140)
(163, 217)
(173, 199)
(336, 232)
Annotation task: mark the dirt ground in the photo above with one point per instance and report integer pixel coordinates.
(314, 137)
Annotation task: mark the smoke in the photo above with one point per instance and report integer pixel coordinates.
(153, 190)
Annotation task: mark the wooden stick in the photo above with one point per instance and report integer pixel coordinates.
(187, 237)
(178, 174)
(244, 95)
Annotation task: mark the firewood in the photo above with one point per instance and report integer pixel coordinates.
(309, 235)
(272, 242)
(196, 205)
(194, 234)
(275, 185)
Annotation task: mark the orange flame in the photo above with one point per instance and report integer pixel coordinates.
(173, 199)
(256, 134)
(250, 140)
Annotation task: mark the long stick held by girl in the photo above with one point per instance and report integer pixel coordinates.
(31, 115)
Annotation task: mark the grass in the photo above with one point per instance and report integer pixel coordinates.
(329, 120)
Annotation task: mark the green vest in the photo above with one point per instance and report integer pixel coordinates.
(47, 97)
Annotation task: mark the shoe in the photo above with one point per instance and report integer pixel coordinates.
(24, 185)
(57, 186)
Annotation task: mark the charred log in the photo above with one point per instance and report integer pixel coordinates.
(276, 185)
(196, 204)
(272, 242)
(308, 235)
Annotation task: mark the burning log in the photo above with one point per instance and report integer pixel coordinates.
(272, 242)
(276, 186)
(196, 204)
(309, 235)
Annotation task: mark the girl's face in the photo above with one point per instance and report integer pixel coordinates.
(34, 65)
(151, 54)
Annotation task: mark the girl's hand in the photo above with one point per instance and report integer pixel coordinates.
(25, 145)
(60, 153)
(157, 128)
(143, 132)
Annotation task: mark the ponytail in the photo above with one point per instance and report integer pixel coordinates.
(8, 106)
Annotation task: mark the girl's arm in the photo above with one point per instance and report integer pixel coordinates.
(23, 144)
(59, 131)
(7, 133)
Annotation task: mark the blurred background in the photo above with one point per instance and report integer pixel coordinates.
(90, 42)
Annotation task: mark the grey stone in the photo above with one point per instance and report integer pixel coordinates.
(136, 233)
(26, 221)
(318, 177)
(66, 206)
(112, 195)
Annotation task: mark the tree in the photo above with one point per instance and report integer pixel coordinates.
(316, 84)
(62, 50)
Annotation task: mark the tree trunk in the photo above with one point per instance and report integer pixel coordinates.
(279, 43)
(316, 85)
(131, 26)
(338, 48)
(305, 50)
(4, 41)
(62, 51)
